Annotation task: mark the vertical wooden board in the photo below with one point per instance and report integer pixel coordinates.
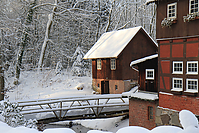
(94, 69)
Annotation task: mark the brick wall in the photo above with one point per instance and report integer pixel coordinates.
(179, 102)
(139, 114)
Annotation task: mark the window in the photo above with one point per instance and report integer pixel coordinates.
(150, 113)
(193, 6)
(171, 10)
(116, 87)
(177, 67)
(99, 67)
(192, 85)
(192, 67)
(149, 73)
(177, 84)
(113, 64)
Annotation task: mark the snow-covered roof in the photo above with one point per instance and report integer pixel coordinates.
(145, 96)
(111, 44)
(143, 59)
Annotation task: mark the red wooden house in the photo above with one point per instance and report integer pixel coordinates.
(143, 103)
(177, 29)
(112, 54)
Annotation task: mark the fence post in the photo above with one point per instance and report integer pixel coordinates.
(1, 84)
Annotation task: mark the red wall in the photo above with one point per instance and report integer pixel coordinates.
(138, 113)
(179, 102)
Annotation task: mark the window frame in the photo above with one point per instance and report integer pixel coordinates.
(177, 72)
(189, 62)
(113, 64)
(99, 64)
(149, 70)
(150, 113)
(189, 90)
(177, 89)
(174, 17)
(194, 8)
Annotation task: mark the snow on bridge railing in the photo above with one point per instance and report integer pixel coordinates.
(59, 106)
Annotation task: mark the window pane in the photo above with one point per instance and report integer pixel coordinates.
(192, 84)
(177, 83)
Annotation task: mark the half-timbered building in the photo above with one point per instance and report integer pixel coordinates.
(177, 33)
(111, 56)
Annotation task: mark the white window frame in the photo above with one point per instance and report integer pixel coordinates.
(190, 7)
(191, 90)
(190, 62)
(99, 64)
(113, 64)
(177, 72)
(150, 70)
(176, 88)
(169, 5)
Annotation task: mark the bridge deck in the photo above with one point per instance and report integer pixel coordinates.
(81, 106)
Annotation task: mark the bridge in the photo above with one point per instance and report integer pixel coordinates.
(75, 107)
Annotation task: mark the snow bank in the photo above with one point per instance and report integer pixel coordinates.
(59, 130)
(187, 119)
(133, 129)
(96, 131)
(189, 122)
(166, 129)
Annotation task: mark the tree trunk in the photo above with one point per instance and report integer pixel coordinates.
(1, 84)
(24, 41)
(46, 39)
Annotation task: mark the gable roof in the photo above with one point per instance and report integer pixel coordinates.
(143, 59)
(111, 44)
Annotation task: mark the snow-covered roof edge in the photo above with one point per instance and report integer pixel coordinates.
(150, 1)
(143, 59)
(145, 96)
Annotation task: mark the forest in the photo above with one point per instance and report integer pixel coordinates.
(55, 34)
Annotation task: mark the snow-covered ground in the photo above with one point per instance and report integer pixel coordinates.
(48, 84)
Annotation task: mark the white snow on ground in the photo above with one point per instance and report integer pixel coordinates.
(47, 84)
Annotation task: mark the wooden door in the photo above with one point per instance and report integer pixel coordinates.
(150, 85)
(104, 87)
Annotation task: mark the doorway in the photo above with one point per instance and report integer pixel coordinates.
(104, 87)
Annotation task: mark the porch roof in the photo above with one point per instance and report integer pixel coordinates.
(143, 59)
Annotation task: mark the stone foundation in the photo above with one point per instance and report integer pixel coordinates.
(167, 117)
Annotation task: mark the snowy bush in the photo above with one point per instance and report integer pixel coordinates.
(12, 116)
(190, 17)
(167, 22)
